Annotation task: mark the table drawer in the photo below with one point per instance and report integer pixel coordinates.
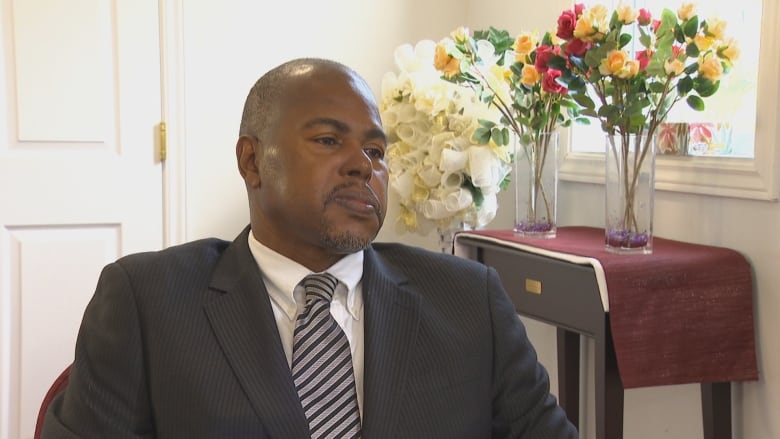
(547, 289)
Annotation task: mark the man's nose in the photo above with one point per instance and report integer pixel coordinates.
(358, 162)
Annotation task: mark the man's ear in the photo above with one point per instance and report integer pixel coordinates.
(246, 157)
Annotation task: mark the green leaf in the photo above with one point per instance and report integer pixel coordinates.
(486, 123)
(695, 102)
(655, 87)
(692, 50)
(585, 101)
(624, 40)
(476, 192)
(684, 85)
(481, 136)
(691, 27)
(705, 88)
(497, 136)
(557, 62)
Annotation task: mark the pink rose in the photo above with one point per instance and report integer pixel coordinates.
(566, 23)
(549, 83)
(656, 24)
(644, 58)
(543, 55)
(578, 8)
(576, 47)
(644, 17)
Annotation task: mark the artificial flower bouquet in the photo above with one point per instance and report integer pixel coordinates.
(513, 74)
(443, 177)
(626, 69)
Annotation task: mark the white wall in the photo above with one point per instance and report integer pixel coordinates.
(228, 47)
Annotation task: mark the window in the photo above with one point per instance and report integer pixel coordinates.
(741, 117)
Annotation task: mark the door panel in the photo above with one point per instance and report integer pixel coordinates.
(80, 184)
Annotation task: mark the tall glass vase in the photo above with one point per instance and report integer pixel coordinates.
(446, 234)
(536, 186)
(629, 190)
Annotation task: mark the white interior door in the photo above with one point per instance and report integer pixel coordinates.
(80, 182)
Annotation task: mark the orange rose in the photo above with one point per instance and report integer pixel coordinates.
(444, 62)
(613, 63)
(530, 75)
(524, 44)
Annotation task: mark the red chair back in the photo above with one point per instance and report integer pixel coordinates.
(56, 388)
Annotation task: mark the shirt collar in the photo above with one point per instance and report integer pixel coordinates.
(281, 275)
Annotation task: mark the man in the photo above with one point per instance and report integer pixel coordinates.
(201, 340)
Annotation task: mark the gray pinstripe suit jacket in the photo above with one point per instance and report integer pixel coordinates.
(182, 343)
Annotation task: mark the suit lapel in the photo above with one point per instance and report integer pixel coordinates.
(244, 325)
(391, 316)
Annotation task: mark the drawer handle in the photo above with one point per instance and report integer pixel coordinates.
(533, 286)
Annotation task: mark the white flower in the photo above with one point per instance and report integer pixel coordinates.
(436, 169)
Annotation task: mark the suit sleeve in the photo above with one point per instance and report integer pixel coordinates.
(107, 393)
(523, 406)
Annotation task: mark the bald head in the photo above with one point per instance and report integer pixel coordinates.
(266, 97)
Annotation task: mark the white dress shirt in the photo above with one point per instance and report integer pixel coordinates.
(282, 277)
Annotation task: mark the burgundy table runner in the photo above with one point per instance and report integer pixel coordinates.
(683, 314)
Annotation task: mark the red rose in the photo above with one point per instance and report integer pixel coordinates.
(543, 55)
(656, 24)
(549, 83)
(566, 23)
(576, 47)
(578, 8)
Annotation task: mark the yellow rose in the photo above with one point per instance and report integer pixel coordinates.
(524, 44)
(530, 75)
(613, 63)
(600, 15)
(444, 62)
(419, 193)
(686, 11)
(408, 217)
(673, 66)
(716, 28)
(627, 14)
(461, 34)
(729, 50)
(629, 70)
(584, 29)
(593, 24)
(703, 42)
(710, 67)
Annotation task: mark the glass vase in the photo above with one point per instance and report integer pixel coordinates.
(446, 235)
(629, 190)
(536, 185)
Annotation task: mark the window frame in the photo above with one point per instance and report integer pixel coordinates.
(750, 178)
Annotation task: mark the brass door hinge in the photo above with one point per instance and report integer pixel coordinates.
(163, 141)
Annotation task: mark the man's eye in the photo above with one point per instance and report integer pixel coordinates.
(330, 141)
(375, 152)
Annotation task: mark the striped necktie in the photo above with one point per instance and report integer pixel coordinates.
(322, 365)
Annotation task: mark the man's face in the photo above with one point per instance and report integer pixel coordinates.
(322, 174)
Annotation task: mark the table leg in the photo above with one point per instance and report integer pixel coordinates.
(609, 388)
(569, 374)
(716, 410)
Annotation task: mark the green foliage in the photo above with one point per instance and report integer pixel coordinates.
(630, 99)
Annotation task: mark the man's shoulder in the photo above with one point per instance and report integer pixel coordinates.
(194, 253)
(417, 257)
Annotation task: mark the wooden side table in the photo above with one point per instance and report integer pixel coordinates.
(546, 285)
